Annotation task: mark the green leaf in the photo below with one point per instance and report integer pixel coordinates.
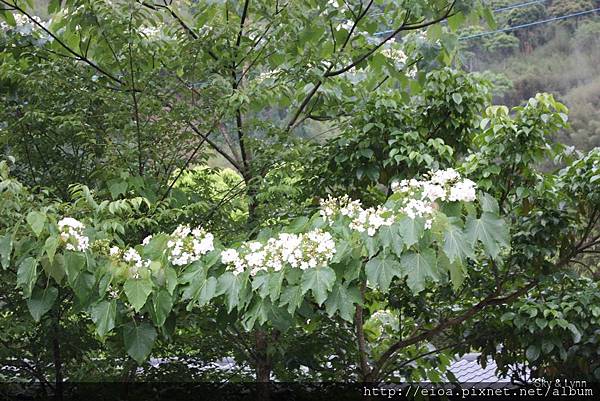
(139, 339)
(207, 291)
(299, 224)
(488, 203)
(137, 291)
(489, 18)
(117, 189)
(457, 97)
(275, 282)
(163, 303)
(490, 230)
(507, 316)
(575, 332)
(83, 285)
(455, 21)
(170, 279)
(6, 245)
(26, 275)
(155, 247)
(381, 270)
(456, 270)
(53, 6)
(319, 280)
(74, 264)
(56, 268)
(455, 244)
(41, 301)
(352, 269)
(343, 299)
(50, 247)
(411, 230)
(260, 282)
(292, 296)
(343, 248)
(372, 244)
(532, 353)
(418, 266)
(230, 285)
(390, 237)
(103, 316)
(541, 322)
(36, 221)
(8, 17)
(195, 275)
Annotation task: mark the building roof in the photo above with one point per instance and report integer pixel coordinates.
(468, 370)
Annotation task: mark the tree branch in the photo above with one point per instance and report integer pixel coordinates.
(78, 56)
(403, 27)
(216, 147)
(489, 301)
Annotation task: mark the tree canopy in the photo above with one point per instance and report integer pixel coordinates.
(315, 189)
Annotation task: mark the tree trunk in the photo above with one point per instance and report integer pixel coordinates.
(58, 376)
(365, 372)
(263, 366)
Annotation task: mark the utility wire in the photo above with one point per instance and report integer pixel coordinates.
(513, 28)
(496, 10)
(512, 7)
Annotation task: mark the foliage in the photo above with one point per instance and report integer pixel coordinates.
(113, 244)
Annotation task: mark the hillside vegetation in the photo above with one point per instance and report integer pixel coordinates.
(561, 57)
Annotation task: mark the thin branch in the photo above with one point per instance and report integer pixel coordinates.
(242, 22)
(403, 27)
(216, 147)
(78, 56)
(185, 166)
(492, 300)
(136, 112)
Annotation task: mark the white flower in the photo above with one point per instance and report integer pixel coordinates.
(312, 249)
(347, 25)
(147, 240)
(114, 251)
(150, 32)
(268, 75)
(371, 219)
(72, 234)
(442, 177)
(186, 246)
(70, 222)
(229, 256)
(131, 255)
(463, 191)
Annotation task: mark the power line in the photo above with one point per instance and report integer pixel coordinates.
(496, 10)
(529, 3)
(513, 28)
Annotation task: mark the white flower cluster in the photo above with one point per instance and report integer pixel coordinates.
(345, 206)
(397, 55)
(187, 246)
(25, 26)
(71, 233)
(150, 32)
(363, 220)
(268, 75)
(132, 257)
(371, 219)
(312, 249)
(422, 195)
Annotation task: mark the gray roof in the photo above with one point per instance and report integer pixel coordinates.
(468, 370)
